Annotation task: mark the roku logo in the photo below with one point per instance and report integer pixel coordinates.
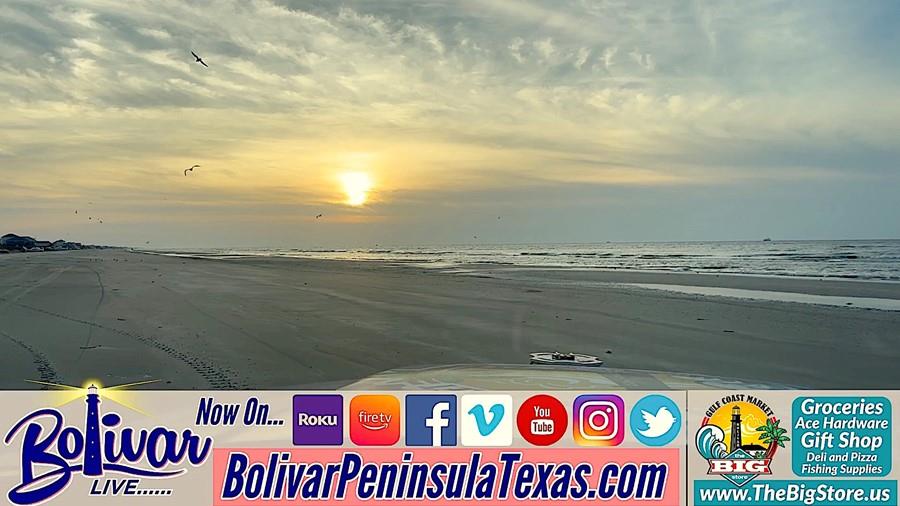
(317, 420)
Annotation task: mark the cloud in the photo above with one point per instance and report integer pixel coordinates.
(442, 94)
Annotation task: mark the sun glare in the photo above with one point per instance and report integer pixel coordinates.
(356, 187)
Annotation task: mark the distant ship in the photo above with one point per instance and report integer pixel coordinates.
(767, 239)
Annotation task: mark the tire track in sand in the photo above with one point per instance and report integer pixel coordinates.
(90, 336)
(42, 364)
(217, 377)
(44, 368)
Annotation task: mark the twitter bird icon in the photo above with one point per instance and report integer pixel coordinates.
(655, 420)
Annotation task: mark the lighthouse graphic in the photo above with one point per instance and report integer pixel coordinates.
(144, 452)
(736, 439)
(93, 464)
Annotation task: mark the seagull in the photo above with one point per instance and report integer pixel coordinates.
(199, 60)
(190, 169)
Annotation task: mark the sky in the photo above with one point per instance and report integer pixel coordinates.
(516, 122)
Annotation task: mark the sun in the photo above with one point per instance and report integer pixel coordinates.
(356, 187)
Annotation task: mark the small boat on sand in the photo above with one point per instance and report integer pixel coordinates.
(557, 358)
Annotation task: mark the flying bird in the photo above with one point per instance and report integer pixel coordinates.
(319, 216)
(190, 169)
(199, 60)
(657, 424)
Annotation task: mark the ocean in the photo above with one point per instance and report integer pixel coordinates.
(865, 260)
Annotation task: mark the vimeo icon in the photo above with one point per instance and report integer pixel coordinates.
(487, 420)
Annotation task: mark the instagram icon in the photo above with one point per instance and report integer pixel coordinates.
(599, 420)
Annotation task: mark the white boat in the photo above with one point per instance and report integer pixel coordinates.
(557, 358)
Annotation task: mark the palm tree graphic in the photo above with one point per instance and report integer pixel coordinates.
(772, 435)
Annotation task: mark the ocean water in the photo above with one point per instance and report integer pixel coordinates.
(871, 260)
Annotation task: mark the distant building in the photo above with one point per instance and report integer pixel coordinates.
(757, 451)
(13, 241)
(61, 245)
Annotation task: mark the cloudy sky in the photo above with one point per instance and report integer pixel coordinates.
(574, 121)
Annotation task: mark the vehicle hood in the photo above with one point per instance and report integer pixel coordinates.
(518, 377)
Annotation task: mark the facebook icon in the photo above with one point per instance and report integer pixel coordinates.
(431, 420)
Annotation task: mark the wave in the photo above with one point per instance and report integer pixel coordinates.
(801, 256)
(873, 260)
(564, 254)
(710, 442)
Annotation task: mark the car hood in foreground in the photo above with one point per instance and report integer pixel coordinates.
(534, 377)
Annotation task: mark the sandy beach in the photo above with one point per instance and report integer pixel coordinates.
(121, 316)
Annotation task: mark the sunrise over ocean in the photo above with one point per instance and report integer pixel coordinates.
(268, 194)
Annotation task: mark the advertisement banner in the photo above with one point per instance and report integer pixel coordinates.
(766, 448)
(105, 445)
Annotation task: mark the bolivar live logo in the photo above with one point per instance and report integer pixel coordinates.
(738, 437)
(102, 447)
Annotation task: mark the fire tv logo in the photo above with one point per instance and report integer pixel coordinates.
(542, 420)
(374, 420)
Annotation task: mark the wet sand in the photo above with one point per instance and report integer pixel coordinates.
(121, 317)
